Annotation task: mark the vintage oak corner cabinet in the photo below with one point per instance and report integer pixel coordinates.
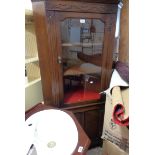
(75, 42)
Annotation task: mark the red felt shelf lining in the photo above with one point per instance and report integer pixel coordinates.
(80, 95)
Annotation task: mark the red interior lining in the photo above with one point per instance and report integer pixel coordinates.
(80, 95)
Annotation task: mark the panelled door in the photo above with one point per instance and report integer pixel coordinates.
(82, 55)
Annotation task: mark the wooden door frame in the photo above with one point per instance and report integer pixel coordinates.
(109, 21)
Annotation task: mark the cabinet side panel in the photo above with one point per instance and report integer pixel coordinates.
(107, 59)
(43, 49)
(124, 33)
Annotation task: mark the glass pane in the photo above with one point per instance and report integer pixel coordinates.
(82, 44)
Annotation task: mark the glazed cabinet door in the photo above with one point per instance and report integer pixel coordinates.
(81, 55)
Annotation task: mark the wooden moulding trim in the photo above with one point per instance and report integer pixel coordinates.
(80, 7)
(86, 1)
(42, 37)
(83, 106)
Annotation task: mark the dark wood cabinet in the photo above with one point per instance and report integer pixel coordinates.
(75, 42)
(93, 125)
(90, 117)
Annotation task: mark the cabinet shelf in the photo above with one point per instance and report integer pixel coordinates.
(31, 52)
(29, 16)
(32, 82)
(33, 72)
(81, 44)
(30, 60)
(28, 12)
(85, 68)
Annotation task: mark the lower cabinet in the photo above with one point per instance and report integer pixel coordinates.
(91, 119)
(93, 125)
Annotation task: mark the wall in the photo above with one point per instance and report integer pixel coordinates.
(124, 32)
(33, 95)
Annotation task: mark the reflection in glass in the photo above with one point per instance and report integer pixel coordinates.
(82, 46)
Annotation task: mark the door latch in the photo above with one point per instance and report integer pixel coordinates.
(59, 60)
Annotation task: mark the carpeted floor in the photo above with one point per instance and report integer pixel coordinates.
(95, 151)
